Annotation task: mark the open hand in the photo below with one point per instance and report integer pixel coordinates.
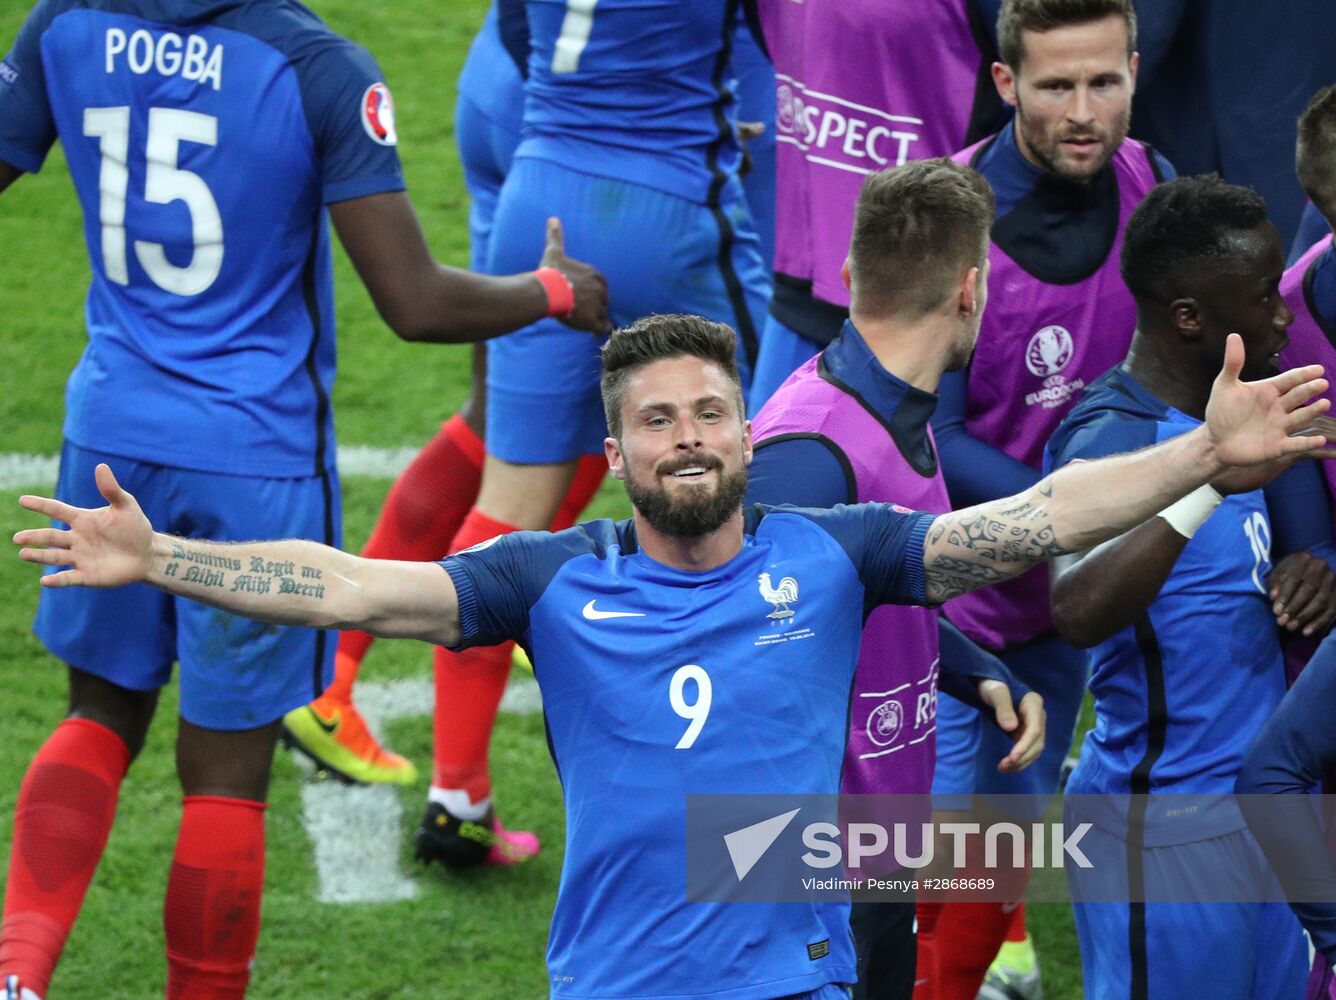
(591, 288)
(1253, 422)
(106, 547)
(1024, 724)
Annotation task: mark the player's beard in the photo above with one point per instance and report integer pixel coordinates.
(695, 514)
(1046, 145)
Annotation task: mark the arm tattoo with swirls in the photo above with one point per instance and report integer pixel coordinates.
(989, 543)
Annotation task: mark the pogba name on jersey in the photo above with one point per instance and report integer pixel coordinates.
(167, 54)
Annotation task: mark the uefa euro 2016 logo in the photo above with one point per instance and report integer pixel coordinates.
(1049, 351)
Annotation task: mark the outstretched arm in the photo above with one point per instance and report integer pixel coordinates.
(290, 582)
(1082, 505)
(422, 300)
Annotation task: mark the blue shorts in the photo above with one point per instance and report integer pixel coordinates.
(486, 146)
(783, 351)
(968, 748)
(1165, 951)
(235, 673)
(660, 253)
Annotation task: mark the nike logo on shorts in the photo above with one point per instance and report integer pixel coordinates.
(594, 615)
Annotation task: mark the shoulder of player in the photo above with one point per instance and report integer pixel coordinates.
(764, 518)
(1108, 420)
(1297, 273)
(43, 14)
(300, 36)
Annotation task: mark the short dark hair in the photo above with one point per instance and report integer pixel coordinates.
(657, 338)
(1183, 228)
(917, 228)
(1315, 154)
(1019, 16)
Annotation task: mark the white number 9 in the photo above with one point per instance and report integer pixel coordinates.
(697, 711)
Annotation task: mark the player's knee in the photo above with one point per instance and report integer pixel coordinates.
(232, 765)
(125, 712)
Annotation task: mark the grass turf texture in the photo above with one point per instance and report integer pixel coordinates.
(481, 934)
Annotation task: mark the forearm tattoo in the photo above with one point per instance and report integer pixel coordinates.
(256, 576)
(989, 543)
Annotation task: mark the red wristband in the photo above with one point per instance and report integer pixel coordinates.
(560, 291)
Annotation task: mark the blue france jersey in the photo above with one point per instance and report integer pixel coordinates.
(1179, 696)
(204, 139)
(657, 684)
(635, 90)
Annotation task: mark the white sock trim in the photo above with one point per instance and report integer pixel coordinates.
(457, 803)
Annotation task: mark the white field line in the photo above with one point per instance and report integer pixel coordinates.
(357, 833)
(20, 471)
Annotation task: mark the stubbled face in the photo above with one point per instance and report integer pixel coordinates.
(684, 447)
(1244, 297)
(1073, 96)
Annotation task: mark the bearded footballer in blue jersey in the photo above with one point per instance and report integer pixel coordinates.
(209, 143)
(681, 584)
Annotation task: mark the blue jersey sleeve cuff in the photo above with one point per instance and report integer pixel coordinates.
(914, 574)
(363, 187)
(467, 597)
(22, 159)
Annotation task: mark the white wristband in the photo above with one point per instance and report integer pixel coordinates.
(1187, 515)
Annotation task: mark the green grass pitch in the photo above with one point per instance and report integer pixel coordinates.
(477, 935)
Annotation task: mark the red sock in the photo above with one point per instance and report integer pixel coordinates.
(961, 942)
(212, 915)
(588, 478)
(1018, 931)
(65, 810)
(469, 686)
(925, 943)
(421, 516)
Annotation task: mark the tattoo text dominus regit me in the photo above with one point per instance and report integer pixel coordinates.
(254, 576)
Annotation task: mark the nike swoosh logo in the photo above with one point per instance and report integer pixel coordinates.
(595, 615)
(329, 727)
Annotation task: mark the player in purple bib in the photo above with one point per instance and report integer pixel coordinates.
(851, 100)
(1309, 285)
(851, 426)
(1293, 741)
(1067, 178)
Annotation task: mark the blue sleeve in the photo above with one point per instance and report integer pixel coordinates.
(962, 664)
(885, 544)
(27, 127)
(1289, 756)
(1324, 288)
(1100, 436)
(974, 471)
(513, 24)
(352, 125)
(803, 471)
(1312, 227)
(1300, 510)
(1166, 169)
